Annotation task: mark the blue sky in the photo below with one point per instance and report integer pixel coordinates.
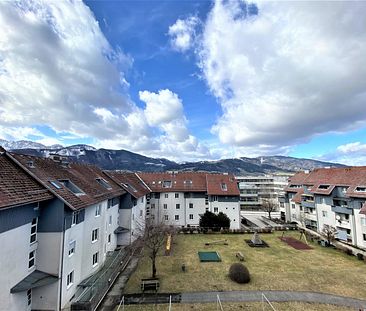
(187, 80)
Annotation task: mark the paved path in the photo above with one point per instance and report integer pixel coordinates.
(273, 296)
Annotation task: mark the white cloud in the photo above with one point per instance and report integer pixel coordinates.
(57, 69)
(350, 154)
(294, 70)
(182, 33)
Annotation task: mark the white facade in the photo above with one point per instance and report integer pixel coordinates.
(184, 209)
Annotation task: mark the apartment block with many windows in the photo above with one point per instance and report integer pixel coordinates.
(330, 196)
(74, 229)
(180, 198)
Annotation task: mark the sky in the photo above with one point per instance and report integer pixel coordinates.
(187, 80)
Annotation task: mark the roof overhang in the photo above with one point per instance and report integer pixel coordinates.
(35, 279)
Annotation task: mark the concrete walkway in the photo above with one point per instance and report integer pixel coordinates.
(273, 296)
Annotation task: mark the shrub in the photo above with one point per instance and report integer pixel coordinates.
(239, 273)
(360, 256)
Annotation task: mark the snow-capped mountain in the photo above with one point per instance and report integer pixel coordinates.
(20, 144)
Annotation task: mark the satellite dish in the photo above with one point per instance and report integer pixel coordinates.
(338, 217)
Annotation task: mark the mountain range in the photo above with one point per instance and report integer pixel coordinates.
(126, 160)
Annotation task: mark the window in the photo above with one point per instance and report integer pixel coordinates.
(177, 195)
(72, 187)
(166, 195)
(323, 187)
(165, 206)
(176, 217)
(95, 234)
(110, 219)
(142, 199)
(214, 198)
(191, 216)
(33, 235)
(55, 184)
(166, 217)
(157, 195)
(141, 213)
(190, 205)
(364, 236)
(32, 258)
(167, 184)
(95, 259)
(70, 279)
(29, 297)
(325, 214)
(152, 217)
(103, 183)
(363, 221)
(75, 218)
(109, 238)
(293, 205)
(216, 209)
(223, 187)
(133, 216)
(153, 205)
(72, 246)
(177, 206)
(361, 189)
(134, 202)
(98, 209)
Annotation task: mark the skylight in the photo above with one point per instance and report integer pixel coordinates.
(361, 189)
(129, 187)
(223, 186)
(55, 184)
(103, 183)
(323, 187)
(72, 187)
(167, 184)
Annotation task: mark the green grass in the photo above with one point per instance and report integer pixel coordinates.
(279, 267)
(252, 306)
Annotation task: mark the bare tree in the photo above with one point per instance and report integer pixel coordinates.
(269, 206)
(154, 238)
(329, 232)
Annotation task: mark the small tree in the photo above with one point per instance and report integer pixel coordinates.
(154, 238)
(269, 206)
(330, 233)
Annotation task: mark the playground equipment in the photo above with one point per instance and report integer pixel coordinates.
(219, 242)
(209, 256)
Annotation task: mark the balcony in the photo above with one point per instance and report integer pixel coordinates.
(342, 210)
(308, 204)
(343, 224)
(310, 216)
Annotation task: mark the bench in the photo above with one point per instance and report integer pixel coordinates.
(240, 256)
(149, 284)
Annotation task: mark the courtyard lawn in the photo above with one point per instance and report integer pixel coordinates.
(252, 306)
(279, 267)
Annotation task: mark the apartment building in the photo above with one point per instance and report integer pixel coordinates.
(332, 196)
(255, 189)
(133, 207)
(72, 231)
(180, 198)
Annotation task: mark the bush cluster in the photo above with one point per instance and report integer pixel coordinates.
(239, 273)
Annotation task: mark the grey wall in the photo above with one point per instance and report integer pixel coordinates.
(51, 216)
(126, 201)
(17, 216)
(228, 199)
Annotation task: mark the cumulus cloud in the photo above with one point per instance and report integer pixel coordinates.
(285, 71)
(351, 154)
(57, 69)
(182, 33)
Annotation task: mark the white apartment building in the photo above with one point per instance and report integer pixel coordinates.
(63, 232)
(332, 196)
(255, 189)
(180, 198)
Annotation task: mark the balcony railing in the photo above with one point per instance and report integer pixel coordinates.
(342, 210)
(309, 204)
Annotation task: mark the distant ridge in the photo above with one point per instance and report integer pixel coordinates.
(126, 160)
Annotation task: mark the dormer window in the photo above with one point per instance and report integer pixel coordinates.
(223, 187)
(188, 182)
(103, 183)
(72, 187)
(361, 189)
(323, 187)
(30, 164)
(167, 184)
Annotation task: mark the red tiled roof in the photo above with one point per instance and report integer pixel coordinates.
(18, 188)
(222, 184)
(130, 182)
(350, 177)
(363, 209)
(297, 197)
(190, 182)
(83, 176)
